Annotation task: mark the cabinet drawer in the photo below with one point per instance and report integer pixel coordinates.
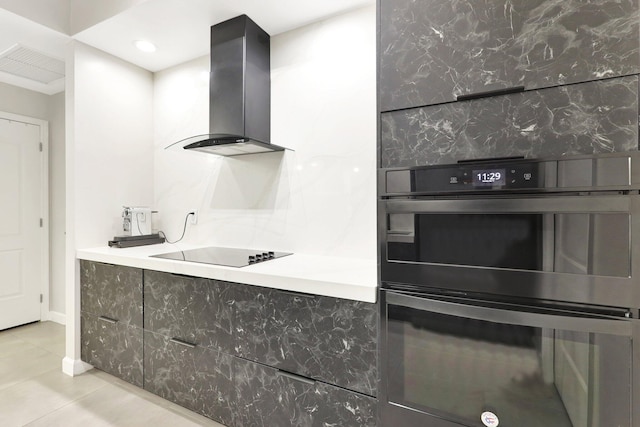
(112, 346)
(269, 397)
(340, 407)
(329, 339)
(595, 117)
(193, 309)
(197, 378)
(113, 291)
(433, 50)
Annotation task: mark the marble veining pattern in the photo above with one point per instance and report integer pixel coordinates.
(586, 118)
(113, 291)
(340, 407)
(197, 378)
(192, 309)
(433, 50)
(325, 340)
(291, 402)
(319, 337)
(115, 348)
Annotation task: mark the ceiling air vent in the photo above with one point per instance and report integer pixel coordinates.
(27, 63)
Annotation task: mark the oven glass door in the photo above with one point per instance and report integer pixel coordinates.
(573, 248)
(576, 243)
(514, 234)
(523, 366)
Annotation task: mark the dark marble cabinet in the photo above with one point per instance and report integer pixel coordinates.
(198, 378)
(269, 397)
(199, 334)
(113, 347)
(188, 343)
(328, 339)
(111, 319)
(586, 118)
(191, 309)
(432, 51)
(241, 355)
(113, 291)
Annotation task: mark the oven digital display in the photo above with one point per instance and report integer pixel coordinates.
(489, 177)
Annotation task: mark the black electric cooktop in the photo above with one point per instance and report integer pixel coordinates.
(230, 257)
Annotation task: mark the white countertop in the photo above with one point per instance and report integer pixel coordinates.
(349, 278)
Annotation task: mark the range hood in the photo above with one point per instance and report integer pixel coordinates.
(239, 92)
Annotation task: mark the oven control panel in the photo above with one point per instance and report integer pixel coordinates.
(584, 173)
(468, 177)
(479, 177)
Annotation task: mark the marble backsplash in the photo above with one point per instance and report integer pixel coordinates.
(585, 118)
(316, 198)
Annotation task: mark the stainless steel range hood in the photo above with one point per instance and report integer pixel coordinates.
(239, 92)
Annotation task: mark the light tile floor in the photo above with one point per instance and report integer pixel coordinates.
(35, 392)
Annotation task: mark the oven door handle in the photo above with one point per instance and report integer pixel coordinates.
(514, 315)
(568, 204)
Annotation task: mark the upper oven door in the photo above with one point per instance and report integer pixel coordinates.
(581, 249)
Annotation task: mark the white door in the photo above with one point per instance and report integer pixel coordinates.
(20, 228)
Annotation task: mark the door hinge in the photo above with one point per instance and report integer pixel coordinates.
(41, 147)
(40, 298)
(41, 223)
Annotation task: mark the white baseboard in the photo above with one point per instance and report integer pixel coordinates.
(74, 367)
(60, 318)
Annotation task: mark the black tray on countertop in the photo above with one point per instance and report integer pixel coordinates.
(131, 241)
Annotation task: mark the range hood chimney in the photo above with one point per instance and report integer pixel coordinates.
(239, 92)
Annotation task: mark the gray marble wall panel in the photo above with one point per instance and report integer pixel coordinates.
(192, 309)
(329, 339)
(197, 378)
(433, 50)
(268, 399)
(115, 348)
(112, 290)
(586, 118)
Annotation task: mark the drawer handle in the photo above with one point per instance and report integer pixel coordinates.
(108, 320)
(182, 276)
(297, 294)
(182, 343)
(497, 92)
(295, 377)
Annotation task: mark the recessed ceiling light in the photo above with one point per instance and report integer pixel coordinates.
(145, 46)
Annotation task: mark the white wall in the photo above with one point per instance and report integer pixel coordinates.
(113, 145)
(25, 102)
(56, 205)
(109, 160)
(317, 199)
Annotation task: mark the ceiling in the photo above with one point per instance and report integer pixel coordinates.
(15, 29)
(179, 29)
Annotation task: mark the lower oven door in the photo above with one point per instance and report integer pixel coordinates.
(449, 363)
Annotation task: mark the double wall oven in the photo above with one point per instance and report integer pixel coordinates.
(510, 293)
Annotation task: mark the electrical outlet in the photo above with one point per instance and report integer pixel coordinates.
(193, 218)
